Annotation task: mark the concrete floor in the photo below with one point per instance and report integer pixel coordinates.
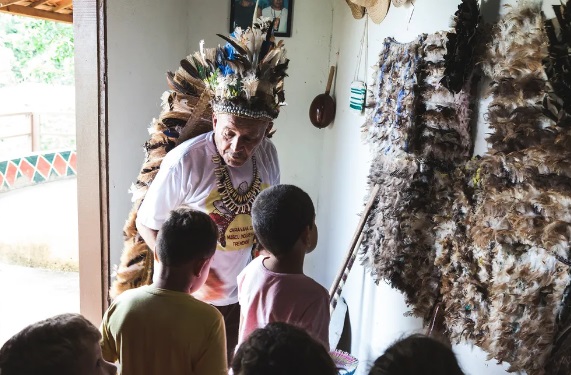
(45, 214)
(31, 294)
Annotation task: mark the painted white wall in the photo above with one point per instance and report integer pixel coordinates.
(377, 312)
(145, 39)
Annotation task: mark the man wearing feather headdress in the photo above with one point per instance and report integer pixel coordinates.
(239, 87)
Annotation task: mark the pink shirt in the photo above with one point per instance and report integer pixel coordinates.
(267, 297)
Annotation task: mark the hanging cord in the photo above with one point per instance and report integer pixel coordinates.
(364, 41)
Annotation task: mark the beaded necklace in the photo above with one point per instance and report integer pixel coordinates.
(235, 201)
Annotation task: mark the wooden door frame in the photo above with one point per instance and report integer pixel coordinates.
(89, 25)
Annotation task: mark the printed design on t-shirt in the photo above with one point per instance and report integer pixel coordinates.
(235, 231)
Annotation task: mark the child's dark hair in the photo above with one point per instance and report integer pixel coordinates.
(279, 215)
(186, 235)
(282, 349)
(48, 347)
(416, 355)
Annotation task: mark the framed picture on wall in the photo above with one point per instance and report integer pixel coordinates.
(280, 11)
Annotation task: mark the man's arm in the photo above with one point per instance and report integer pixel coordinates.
(149, 235)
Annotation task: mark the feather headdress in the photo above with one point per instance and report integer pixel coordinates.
(245, 77)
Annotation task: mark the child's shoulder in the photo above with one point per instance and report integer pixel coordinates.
(314, 287)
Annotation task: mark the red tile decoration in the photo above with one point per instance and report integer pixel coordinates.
(27, 169)
(60, 165)
(37, 168)
(11, 173)
(43, 167)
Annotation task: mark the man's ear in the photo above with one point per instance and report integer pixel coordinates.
(200, 266)
(269, 129)
(214, 120)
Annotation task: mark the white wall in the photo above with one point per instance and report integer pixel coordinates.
(145, 39)
(376, 311)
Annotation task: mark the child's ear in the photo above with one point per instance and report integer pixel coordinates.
(306, 235)
(155, 255)
(201, 266)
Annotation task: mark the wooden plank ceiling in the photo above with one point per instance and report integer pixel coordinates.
(55, 10)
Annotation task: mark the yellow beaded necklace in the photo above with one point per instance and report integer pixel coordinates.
(235, 201)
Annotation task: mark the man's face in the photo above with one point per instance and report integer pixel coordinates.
(237, 137)
(278, 4)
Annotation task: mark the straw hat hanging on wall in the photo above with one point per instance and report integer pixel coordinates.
(377, 9)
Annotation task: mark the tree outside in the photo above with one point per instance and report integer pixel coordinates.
(36, 75)
(37, 51)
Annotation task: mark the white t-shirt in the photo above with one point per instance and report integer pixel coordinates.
(281, 14)
(187, 177)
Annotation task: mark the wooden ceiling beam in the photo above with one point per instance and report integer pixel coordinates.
(37, 13)
(37, 3)
(5, 3)
(62, 5)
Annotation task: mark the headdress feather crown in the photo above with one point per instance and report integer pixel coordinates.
(245, 77)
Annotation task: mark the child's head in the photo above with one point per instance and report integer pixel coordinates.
(186, 235)
(187, 239)
(65, 344)
(416, 355)
(281, 348)
(282, 215)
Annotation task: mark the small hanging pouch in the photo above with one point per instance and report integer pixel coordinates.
(359, 87)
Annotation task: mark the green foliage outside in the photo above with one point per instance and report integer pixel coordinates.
(40, 51)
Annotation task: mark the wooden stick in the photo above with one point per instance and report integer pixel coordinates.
(351, 254)
(330, 80)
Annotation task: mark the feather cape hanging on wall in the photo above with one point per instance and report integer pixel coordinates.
(503, 278)
(557, 106)
(419, 131)
(498, 253)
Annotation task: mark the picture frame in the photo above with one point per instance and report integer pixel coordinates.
(242, 14)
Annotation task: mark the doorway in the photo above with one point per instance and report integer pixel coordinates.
(88, 195)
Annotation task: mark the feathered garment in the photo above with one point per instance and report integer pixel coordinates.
(418, 132)
(503, 259)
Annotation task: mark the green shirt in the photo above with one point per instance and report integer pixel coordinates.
(153, 331)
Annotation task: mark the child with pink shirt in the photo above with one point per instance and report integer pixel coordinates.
(273, 288)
